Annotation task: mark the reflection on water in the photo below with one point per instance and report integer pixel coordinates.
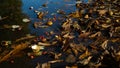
(52, 6)
(11, 14)
(11, 9)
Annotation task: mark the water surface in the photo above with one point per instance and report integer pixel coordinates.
(52, 7)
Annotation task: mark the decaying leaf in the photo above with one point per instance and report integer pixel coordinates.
(75, 15)
(75, 51)
(111, 13)
(70, 59)
(94, 35)
(87, 53)
(40, 15)
(78, 47)
(54, 61)
(66, 25)
(115, 40)
(105, 25)
(97, 22)
(76, 25)
(108, 20)
(117, 29)
(84, 35)
(85, 61)
(102, 12)
(68, 36)
(86, 16)
(49, 23)
(25, 20)
(104, 44)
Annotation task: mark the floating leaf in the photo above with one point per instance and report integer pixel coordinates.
(49, 23)
(26, 20)
(40, 15)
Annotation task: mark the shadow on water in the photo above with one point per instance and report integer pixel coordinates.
(11, 14)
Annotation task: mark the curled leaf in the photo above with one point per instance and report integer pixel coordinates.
(105, 25)
(104, 44)
(94, 35)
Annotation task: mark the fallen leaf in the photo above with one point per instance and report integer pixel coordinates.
(87, 53)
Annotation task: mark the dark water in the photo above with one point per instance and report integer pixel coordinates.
(67, 6)
(52, 6)
(16, 10)
(11, 14)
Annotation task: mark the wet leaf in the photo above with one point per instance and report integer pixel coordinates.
(117, 20)
(75, 51)
(102, 12)
(87, 53)
(108, 20)
(26, 20)
(76, 25)
(70, 59)
(54, 61)
(75, 14)
(85, 61)
(49, 23)
(104, 44)
(111, 13)
(44, 5)
(97, 22)
(115, 40)
(86, 16)
(38, 65)
(105, 25)
(94, 35)
(117, 29)
(68, 36)
(40, 15)
(84, 35)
